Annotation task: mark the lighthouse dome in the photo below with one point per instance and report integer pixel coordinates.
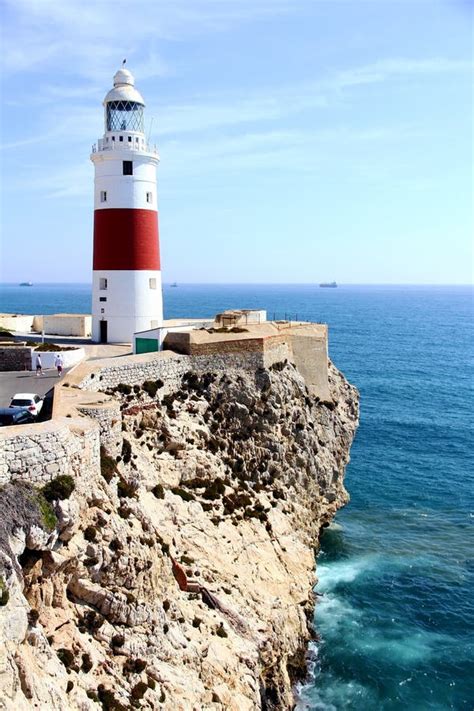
(124, 88)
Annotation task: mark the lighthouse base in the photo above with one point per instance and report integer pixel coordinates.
(124, 302)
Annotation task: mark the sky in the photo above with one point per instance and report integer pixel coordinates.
(300, 140)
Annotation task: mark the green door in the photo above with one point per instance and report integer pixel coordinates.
(146, 345)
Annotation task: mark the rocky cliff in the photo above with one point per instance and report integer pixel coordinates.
(180, 575)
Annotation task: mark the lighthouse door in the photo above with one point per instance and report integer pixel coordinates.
(103, 331)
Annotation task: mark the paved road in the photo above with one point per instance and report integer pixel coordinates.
(25, 382)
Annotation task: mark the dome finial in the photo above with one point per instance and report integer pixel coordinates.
(124, 62)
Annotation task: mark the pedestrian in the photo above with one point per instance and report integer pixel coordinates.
(59, 364)
(39, 365)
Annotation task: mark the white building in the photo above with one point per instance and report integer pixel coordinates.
(126, 292)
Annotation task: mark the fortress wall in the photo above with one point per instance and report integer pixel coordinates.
(109, 419)
(310, 356)
(167, 367)
(40, 452)
(15, 358)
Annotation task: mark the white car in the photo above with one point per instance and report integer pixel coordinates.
(28, 401)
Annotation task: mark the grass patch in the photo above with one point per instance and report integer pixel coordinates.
(48, 517)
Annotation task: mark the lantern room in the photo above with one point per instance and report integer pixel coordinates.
(124, 105)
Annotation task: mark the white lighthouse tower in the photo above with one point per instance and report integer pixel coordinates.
(126, 291)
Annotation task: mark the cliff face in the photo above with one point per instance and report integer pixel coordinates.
(182, 577)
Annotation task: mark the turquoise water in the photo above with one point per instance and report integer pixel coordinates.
(396, 572)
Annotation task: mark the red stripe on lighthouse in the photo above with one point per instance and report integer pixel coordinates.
(126, 239)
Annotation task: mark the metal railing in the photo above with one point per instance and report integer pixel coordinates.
(102, 145)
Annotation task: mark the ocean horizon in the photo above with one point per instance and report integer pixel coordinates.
(396, 574)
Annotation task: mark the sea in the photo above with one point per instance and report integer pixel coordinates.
(395, 605)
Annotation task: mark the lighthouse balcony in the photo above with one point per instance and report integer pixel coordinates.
(124, 143)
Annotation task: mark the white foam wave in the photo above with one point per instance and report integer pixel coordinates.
(343, 571)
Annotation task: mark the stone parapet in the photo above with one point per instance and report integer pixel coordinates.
(14, 358)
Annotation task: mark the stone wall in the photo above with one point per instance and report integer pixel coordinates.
(15, 358)
(109, 420)
(40, 452)
(165, 366)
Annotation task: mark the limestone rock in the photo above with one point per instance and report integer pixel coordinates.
(232, 475)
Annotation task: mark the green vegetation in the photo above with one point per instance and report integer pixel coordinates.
(59, 488)
(108, 466)
(48, 517)
(123, 388)
(139, 690)
(215, 489)
(90, 534)
(185, 495)
(134, 666)
(66, 656)
(151, 387)
(126, 490)
(126, 451)
(86, 663)
(50, 347)
(4, 593)
(118, 640)
(158, 491)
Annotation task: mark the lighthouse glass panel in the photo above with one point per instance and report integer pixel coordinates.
(124, 116)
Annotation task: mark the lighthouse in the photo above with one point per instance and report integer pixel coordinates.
(126, 284)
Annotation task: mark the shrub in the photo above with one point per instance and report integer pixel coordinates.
(33, 616)
(220, 631)
(124, 511)
(158, 491)
(139, 690)
(50, 347)
(126, 451)
(126, 490)
(151, 387)
(134, 666)
(166, 605)
(136, 389)
(91, 622)
(108, 700)
(215, 489)
(123, 388)
(59, 488)
(86, 663)
(4, 593)
(185, 495)
(107, 465)
(118, 640)
(90, 534)
(70, 686)
(48, 517)
(66, 656)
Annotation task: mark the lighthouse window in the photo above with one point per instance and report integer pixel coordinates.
(102, 283)
(152, 283)
(102, 298)
(128, 167)
(103, 195)
(129, 139)
(120, 138)
(149, 197)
